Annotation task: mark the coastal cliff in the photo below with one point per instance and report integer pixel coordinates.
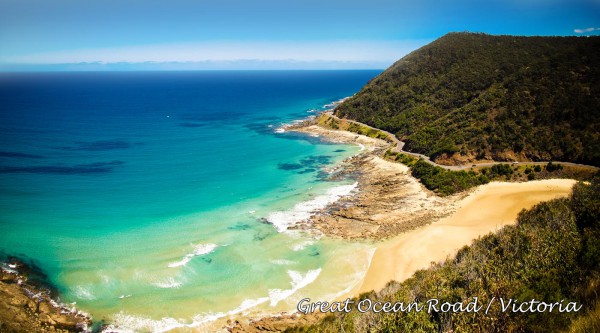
(474, 97)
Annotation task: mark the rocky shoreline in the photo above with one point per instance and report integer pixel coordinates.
(26, 306)
(389, 201)
(276, 323)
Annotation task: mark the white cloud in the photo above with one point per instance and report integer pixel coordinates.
(581, 31)
(345, 51)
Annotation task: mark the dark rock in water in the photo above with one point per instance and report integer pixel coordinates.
(314, 253)
(240, 226)
(263, 220)
(322, 175)
(289, 166)
(207, 260)
(260, 128)
(339, 150)
(310, 162)
(315, 160)
(28, 268)
(262, 235)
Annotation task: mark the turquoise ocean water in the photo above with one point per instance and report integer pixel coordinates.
(159, 200)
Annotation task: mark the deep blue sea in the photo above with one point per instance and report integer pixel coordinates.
(160, 200)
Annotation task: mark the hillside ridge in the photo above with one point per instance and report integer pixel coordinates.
(469, 97)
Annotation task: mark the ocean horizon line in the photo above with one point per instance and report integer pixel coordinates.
(250, 65)
(190, 70)
(186, 70)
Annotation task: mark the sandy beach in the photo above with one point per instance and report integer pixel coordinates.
(486, 210)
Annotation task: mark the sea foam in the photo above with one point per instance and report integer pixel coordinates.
(298, 282)
(84, 292)
(304, 210)
(168, 283)
(125, 323)
(200, 249)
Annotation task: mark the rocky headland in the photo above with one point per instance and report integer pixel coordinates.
(28, 306)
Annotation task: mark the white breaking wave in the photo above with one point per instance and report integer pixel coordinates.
(298, 282)
(304, 210)
(182, 262)
(246, 304)
(199, 250)
(284, 126)
(335, 103)
(168, 283)
(124, 323)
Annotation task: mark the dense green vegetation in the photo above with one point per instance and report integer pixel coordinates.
(400, 157)
(490, 97)
(446, 182)
(551, 254)
(443, 182)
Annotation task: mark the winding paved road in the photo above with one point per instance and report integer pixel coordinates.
(399, 145)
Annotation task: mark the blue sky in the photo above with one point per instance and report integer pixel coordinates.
(266, 33)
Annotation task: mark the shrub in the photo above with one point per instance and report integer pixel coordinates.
(550, 167)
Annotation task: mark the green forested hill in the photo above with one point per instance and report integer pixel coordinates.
(468, 97)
